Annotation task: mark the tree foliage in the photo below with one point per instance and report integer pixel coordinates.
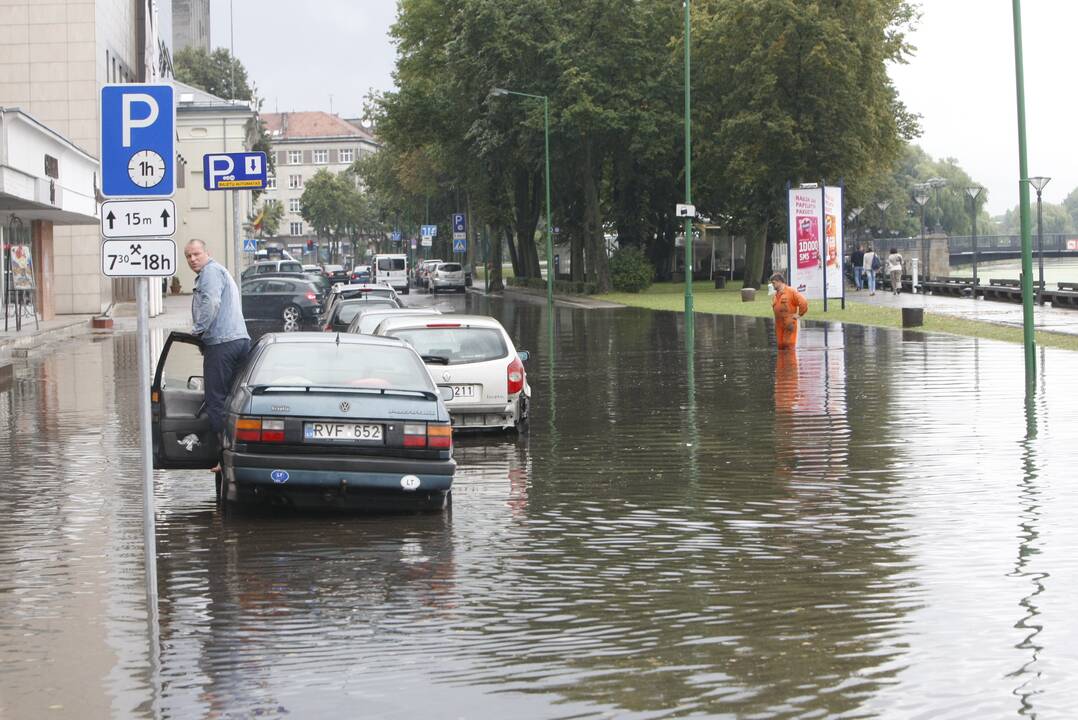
(218, 73)
(784, 90)
(334, 206)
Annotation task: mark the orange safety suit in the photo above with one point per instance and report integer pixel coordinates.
(788, 304)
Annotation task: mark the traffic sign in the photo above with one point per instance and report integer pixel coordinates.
(413, 242)
(429, 230)
(138, 141)
(138, 258)
(396, 236)
(250, 245)
(428, 241)
(460, 226)
(138, 218)
(234, 171)
(460, 245)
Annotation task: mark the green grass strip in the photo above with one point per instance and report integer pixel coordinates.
(706, 299)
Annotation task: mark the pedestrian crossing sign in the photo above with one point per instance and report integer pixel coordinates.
(250, 245)
(460, 245)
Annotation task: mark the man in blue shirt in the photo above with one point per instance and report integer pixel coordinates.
(218, 320)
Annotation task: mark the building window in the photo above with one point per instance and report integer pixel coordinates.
(295, 182)
(347, 156)
(293, 205)
(295, 157)
(271, 182)
(296, 228)
(321, 157)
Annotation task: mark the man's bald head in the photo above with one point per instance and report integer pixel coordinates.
(196, 254)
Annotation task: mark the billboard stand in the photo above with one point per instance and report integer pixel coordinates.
(826, 240)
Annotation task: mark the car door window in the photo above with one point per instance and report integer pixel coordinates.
(277, 287)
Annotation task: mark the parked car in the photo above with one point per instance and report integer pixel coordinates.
(313, 420)
(421, 269)
(367, 320)
(345, 292)
(312, 269)
(445, 276)
(391, 269)
(473, 356)
(361, 274)
(293, 301)
(265, 267)
(335, 273)
(340, 316)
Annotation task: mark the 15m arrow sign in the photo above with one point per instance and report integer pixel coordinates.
(121, 219)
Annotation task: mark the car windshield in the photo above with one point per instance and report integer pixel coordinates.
(327, 364)
(387, 264)
(291, 267)
(449, 267)
(350, 308)
(370, 320)
(458, 345)
(334, 268)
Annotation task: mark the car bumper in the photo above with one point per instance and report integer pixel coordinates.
(447, 284)
(289, 472)
(471, 417)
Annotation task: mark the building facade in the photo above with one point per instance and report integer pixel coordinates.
(54, 58)
(190, 24)
(304, 143)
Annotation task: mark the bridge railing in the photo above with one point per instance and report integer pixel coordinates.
(956, 244)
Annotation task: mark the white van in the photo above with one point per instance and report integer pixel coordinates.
(391, 270)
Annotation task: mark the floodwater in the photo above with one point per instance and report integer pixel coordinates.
(880, 525)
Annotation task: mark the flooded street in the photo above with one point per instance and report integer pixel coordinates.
(881, 524)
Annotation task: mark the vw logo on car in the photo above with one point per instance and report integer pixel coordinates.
(345, 406)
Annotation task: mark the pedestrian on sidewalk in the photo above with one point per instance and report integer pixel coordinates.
(894, 269)
(789, 306)
(857, 260)
(871, 265)
(217, 317)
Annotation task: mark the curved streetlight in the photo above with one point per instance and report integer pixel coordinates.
(883, 205)
(855, 215)
(974, 192)
(920, 196)
(546, 149)
(936, 184)
(1038, 184)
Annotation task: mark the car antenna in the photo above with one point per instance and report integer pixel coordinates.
(338, 339)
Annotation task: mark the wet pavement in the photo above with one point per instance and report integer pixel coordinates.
(878, 525)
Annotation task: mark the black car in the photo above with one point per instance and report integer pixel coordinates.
(295, 302)
(335, 273)
(340, 316)
(313, 420)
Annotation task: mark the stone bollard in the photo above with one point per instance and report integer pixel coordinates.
(913, 317)
(720, 282)
(748, 294)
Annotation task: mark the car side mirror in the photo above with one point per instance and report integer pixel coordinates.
(446, 393)
(524, 355)
(196, 382)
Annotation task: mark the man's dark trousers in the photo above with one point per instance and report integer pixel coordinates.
(219, 365)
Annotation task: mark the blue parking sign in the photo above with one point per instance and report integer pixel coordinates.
(138, 141)
(234, 171)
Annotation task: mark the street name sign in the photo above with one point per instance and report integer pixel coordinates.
(429, 230)
(460, 226)
(138, 141)
(138, 258)
(234, 171)
(460, 245)
(138, 218)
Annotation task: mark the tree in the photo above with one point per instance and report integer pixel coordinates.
(218, 73)
(333, 205)
(268, 219)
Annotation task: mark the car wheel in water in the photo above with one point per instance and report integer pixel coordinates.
(291, 317)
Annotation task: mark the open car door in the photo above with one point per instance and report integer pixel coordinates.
(182, 438)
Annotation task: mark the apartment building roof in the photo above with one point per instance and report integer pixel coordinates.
(312, 124)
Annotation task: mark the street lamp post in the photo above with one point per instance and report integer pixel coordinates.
(546, 152)
(974, 193)
(689, 322)
(855, 215)
(1038, 184)
(936, 184)
(920, 196)
(883, 205)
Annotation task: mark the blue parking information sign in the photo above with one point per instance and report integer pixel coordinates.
(138, 141)
(234, 171)
(459, 226)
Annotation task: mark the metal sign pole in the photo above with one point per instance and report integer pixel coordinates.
(149, 530)
(237, 232)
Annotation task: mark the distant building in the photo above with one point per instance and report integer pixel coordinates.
(303, 144)
(206, 124)
(190, 24)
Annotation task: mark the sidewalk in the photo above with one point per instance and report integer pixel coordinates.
(1047, 318)
(584, 302)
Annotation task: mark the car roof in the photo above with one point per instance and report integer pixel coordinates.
(324, 338)
(477, 321)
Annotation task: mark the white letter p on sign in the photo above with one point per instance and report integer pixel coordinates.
(129, 123)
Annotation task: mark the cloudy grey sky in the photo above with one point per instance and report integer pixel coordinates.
(961, 79)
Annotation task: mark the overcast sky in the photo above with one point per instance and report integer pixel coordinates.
(961, 79)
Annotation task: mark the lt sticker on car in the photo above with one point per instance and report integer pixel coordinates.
(410, 483)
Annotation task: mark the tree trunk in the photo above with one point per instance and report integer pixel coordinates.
(755, 241)
(517, 268)
(598, 269)
(526, 189)
(494, 282)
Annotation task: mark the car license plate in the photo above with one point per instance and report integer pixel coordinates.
(342, 432)
(465, 393)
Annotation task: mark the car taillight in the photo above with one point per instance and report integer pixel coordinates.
(253, 429)
(440, 436)
(415, 435)
(515, 377)
(311, 296)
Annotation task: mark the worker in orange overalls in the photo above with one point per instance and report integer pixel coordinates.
(789, 306)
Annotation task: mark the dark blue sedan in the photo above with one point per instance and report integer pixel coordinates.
(314, 420)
